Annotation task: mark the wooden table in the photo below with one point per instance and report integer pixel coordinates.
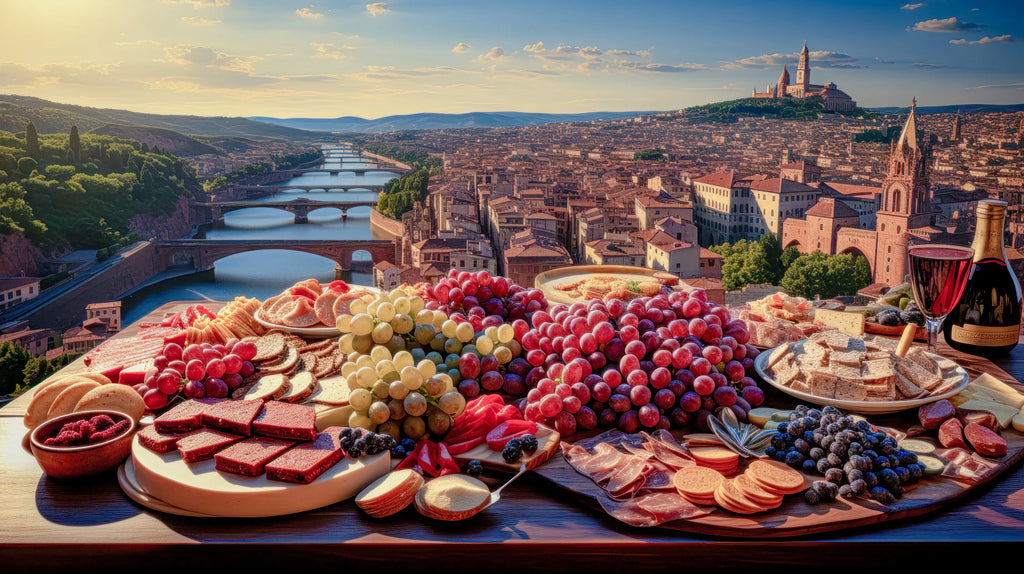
(92, 525)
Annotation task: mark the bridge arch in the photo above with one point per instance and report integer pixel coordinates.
(203, 253)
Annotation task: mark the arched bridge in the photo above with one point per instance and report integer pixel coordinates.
(259, 190)
(301, 207)
(337, 170)
(201, 254)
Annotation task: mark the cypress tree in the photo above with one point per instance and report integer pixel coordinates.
(75, 145)
(31, 140)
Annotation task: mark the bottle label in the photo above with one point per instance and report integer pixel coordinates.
(980, 336)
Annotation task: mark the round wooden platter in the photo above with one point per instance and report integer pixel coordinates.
(548, 281)
(548, 441)
(201, 489)
(797, 518)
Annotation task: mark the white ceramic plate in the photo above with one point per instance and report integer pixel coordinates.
(307, 331)
(862, 407)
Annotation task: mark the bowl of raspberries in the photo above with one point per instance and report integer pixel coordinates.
(82, 444)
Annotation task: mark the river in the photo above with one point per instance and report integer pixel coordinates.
(266, 273)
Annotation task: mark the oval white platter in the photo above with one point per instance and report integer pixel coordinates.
(863, 407)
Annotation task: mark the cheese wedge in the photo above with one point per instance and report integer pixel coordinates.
(850, 323)
(762, 415)
(1018, 422)
(999, 390)
(1004, 413)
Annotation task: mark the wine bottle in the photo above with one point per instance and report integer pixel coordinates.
(986, 321)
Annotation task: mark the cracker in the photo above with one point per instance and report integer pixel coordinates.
(269, 346)
(697, 481)
(331, 391)
(774, 476)
(286, 364)
(266, 387)
(778, 354)
(300, 387)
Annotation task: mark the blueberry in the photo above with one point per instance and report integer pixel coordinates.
(780, 455)
(837, 448)
(809, 466)
(398, 452)
(794, 459)
(871, 479)
(409, 444)
(793, 416)
(814, 414)
(882, 496)
(906, 458)
(808, 436)
(916, 470)
(474, 468)
(888, 478)
(795, 429)
(802, 410)
(854, 475)
(872, 455)
(903, 473)
(770, 452)
(855, 448)
(782, 428)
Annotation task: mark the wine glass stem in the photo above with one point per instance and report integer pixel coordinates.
(932, 327)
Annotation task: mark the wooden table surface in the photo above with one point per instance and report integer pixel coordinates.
(91, 525)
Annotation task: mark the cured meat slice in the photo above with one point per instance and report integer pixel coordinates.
(324, 307)
(627, 474)
(652, 509)
(301, 315)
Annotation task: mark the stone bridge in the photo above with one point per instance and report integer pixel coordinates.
(337, 170)
(201, 254)
(265, 190)
(301, 207)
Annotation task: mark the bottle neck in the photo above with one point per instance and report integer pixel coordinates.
(988, 238)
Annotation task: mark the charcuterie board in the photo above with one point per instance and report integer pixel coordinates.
(553, 282)
(166, 483)
(795, 517)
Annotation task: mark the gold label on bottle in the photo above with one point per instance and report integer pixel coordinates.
(980, 336)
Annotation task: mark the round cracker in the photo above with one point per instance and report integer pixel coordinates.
(697, 481)
(269, 346)
(120, 398)
(266, 388)
(774, 476)
(728, 498)
(67, 400)
(751, 490)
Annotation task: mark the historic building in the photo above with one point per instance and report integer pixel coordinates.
(835, 99)
(903, 218)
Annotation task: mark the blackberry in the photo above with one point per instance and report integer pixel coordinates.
(882, 496)
(355, 452)
(855, 448)
(345, 433)
(834, 475)
(802, 446)
(916, 471)
(888, 478)
(512, 452)
(837, 448)
(826, 441)
(398, 452)
(528, 443)
(831, 489)
(793, 416)
(830, 410)
(474, 468)
(906, 458)
(889, 318)
(816, 453)
(809, 466)
(814, 414)
(802, 410)
(845, 491)
(858, 487)
(795, 459)
(871, 479)
(854, 475)
(812, 496)
(834, 460)
(822, 465)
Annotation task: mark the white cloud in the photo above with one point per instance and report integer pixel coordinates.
(495, 54)
(819, 59)
(377, 8)
(914, 6)
(329, 51)
(138, 43)
(79, 74)
(307, 14)
(945, 25)
(203, 56)
(1018, 85)
(196, 21)
(461, 47)
(1005, 39)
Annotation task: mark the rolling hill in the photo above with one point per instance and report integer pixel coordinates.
(53, 117)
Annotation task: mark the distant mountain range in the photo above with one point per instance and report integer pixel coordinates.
(963, 108)
(429, 121)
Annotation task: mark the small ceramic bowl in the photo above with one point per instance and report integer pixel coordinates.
(83, 460)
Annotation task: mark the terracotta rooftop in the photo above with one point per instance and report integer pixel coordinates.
(8, 283)
(779, 185)
(718, 179)
(831, 208)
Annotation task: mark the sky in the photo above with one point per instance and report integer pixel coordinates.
(286, 58)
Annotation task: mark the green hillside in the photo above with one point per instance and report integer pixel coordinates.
(53, 117)
(71, 191)
(170, 141)
(811, 108)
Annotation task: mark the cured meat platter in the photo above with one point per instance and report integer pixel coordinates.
(795, 517)
(555, 283)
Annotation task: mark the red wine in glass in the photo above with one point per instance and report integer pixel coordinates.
(938, 276)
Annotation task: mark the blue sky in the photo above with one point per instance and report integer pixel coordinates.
(335, 58)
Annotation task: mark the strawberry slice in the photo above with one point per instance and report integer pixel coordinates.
(465, 446)
(508, 430)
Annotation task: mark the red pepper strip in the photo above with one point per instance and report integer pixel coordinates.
(479, 428)
(464, 446)
(206, 312)
(408, 462)
(508, 412)
(427, 458)
(447, 463)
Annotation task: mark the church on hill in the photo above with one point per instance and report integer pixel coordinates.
(835, 99)
(902, 219)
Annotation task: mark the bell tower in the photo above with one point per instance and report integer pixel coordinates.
(904, 202)
(803, 71)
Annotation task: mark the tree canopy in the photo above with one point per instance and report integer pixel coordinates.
(826, 276)
(750, 263)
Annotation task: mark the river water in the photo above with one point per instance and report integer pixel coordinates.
(266, 273)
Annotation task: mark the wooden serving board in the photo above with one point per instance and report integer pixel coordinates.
(201, 489)
(797, 518)
(548, 441)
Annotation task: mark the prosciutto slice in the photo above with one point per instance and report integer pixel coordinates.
(635, 475)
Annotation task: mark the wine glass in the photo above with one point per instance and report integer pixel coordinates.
(938, 276)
